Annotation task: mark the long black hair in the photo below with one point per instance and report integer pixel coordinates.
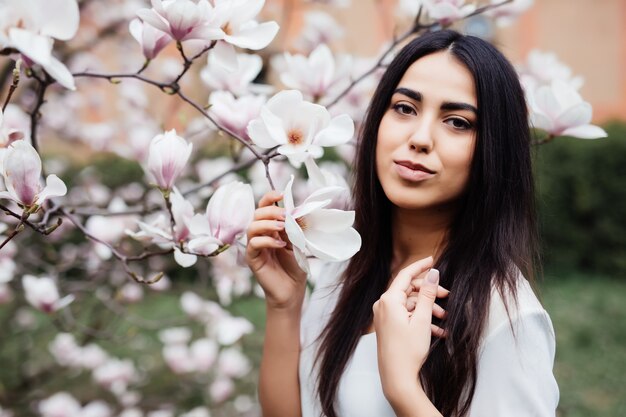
(491, 239)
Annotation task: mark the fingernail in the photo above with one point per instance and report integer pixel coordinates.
(433, 276)
(280, 225)
(280, 242)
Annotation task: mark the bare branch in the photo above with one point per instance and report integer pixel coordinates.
(13, 87)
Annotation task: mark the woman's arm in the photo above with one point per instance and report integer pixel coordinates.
(403, 339)
(272, 261)
(279, 388)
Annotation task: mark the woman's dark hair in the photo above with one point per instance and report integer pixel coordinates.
(491, 239)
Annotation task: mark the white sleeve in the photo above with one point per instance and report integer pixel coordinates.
(515, 376)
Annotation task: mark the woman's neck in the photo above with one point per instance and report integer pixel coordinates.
(417, 235)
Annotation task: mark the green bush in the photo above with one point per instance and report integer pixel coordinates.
(582, 202)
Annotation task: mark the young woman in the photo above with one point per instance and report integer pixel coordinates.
(443, 178)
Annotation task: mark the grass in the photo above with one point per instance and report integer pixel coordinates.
(589, 317)
(588, 313)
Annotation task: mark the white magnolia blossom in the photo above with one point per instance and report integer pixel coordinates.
(236, 18)
(319, 28)
(238, 82)
(298, 128)
(408, 9)
(60, 404)
(21, 170)
(221, 389)
(151, 40)
(235, 113)
(507, 14)
(31, 27)
(228, 214)
(229, 277)
(43, 294)
(197, 412)
(316, 230)
(9, 133)
(320, 178)
(448, 11)
(229, 329)
(541, 68)
(131, 292)
(199, 357)
(115, 374)
(559, 110)
(182, 19)
(233, 363)
(316, 74)
(167, 158)
(175, 336)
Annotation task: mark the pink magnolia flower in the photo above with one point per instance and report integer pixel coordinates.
(204, 353)
(228, 214)
(151, 40)
(22, 171)
(299, 128)
(235, 113)
(233, 363)
(167, 158)
(319, 231)
(239, 81)
(115, 374)
(236, 19)
(221, 389)
(60, 404)
(319, 28)
(559, 110)
(508, 13)
(30, 26)
(447, 11)
(182, 19)
(541, 68)
(42, 293)
(315, 74)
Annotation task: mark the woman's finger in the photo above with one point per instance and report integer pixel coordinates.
(426, 298)
(258, 243)
(438, 311)
(403, 280)
(269, 213)
(270, 198)
(417, 283)
(265, 227)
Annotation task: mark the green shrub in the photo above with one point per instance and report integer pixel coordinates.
(582, 202)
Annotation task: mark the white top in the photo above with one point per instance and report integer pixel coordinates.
(514, 378)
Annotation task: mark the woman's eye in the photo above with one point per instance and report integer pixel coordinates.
(459, 124)
(403, 108)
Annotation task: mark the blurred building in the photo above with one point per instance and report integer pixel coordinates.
(589, 36)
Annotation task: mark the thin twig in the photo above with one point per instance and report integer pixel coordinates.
(13, 87)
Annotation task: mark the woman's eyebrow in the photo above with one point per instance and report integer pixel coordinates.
(447, 105)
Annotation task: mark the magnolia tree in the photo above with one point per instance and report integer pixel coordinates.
(80, 255)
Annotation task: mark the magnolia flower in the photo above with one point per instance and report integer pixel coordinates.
(151, 40)
(235, 113)
(22, 171)
(228, 214)
(298, 128)
(178, 358)
(115, 374)
(319, 28)
(182, 19)
(204, 353)
(221, 389)
(65, 349)
(8, 133)
(30, 26)
(325, 233)
(167, 158)
(197, 412)
(233, 363)
(96, 409)
(238, 82)
(542, 68)
(175, 336)
(507, 14)
(60, 404)
(447, 11)
(42, 293)
(320, 178)
(315, 74)
(559, 110)
(229, 330)
(236, 19)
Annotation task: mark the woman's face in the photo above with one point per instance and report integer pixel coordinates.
(426, 137)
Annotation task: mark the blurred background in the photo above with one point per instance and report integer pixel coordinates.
(581, 194)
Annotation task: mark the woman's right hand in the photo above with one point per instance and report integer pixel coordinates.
(270, 256)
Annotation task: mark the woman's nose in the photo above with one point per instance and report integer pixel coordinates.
(421, 140)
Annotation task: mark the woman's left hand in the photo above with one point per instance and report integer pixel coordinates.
(403, 336)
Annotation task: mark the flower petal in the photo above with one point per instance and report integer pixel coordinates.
(59, 72)
(259, 134)
(330, 220)
(294, 232)
(254, 36)
(336, 246)
(55, 187)
(61, 19)
(339, 131)
(184, 259)
(226, 56)
(579, 114)
(585, 132)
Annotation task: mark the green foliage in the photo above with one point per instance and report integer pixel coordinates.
(582, 202)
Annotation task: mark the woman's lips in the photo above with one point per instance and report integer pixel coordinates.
(410, 174)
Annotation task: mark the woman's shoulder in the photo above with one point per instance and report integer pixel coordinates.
(513, 309)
